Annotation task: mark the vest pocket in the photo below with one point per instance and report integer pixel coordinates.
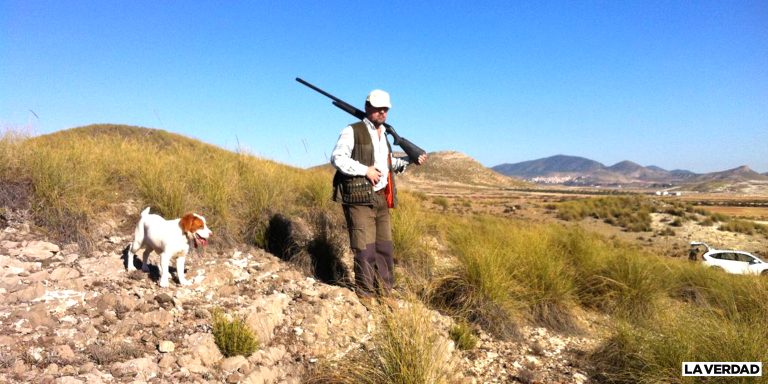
(356, 190)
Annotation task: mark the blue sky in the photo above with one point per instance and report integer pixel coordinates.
(677, 84)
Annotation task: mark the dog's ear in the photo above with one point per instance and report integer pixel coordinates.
(190, 223)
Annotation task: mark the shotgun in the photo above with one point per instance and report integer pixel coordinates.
(412, 150)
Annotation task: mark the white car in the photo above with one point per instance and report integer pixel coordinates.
(738, 262)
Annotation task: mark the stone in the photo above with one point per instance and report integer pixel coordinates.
(39, 250)
(64, 352)
(165, 301)
(167, 362)
(166, 346)
(263, 375)
(265, 314)
(234, 363)
(27, 294)
(142, 368)
(64, 274)
(203, 346)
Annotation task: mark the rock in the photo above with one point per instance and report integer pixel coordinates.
(64, 274)
(265, 314)
(71, 380)
(28, 294)
(10, 266)
(106, 268)
(263, 375)
(159, 319)
(203, 346)
(167, 362)
(60, 300)
(39, 276)
(166, 346)
(234, 378)
(106, 301)
(234, 363)
(165, 301)
(39, 250)
(143, 368)
(64, 352)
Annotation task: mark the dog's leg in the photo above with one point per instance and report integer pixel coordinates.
(180, 271)
(132, 249)
(130, 258)
(165, 260)
(145, 261)
(138, 240)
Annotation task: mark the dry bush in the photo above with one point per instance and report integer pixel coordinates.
(405, 349)
(111, 351)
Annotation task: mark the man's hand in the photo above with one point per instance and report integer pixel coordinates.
(373, 175)
(422, 158)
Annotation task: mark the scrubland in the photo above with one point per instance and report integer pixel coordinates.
(487, 272)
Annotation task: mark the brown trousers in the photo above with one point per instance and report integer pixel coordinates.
(370, 237)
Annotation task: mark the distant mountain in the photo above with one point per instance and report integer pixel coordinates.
(655, 168)
(736, 174)
(548, 166)
(574, 170)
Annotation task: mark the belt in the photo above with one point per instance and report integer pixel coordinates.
(381, 191)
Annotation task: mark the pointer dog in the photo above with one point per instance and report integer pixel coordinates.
(168, 238)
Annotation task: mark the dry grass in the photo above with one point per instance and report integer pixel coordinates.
(77, 173)
(405, 349)
(111, 351)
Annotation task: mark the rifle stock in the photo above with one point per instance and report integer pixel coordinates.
(412, 150)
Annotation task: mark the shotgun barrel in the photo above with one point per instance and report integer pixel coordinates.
(412, 150)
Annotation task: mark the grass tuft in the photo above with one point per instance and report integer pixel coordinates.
(233, 336)
(463, 335)
(405, 349)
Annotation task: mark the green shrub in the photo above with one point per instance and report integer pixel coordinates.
(744, 226)
(629, 212)
(462, 335)
(233, 337)
(441, 202)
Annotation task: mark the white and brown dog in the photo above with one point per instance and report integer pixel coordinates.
(168, 238)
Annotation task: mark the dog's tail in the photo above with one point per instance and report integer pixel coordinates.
(145, 212)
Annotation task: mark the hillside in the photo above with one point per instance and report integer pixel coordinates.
(491, 286)
(455, 168)
(279, 258)
(737, 180)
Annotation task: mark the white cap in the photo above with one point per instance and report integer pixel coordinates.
(379, 99)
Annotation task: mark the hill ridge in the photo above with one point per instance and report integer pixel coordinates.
(579, 170)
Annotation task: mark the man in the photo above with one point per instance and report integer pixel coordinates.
(364, 184)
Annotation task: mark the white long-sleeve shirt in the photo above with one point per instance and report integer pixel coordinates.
(341, 157)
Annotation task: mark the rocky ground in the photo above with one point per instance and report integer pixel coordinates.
(68, 317)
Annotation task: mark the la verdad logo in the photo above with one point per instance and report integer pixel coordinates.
(722, 368)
